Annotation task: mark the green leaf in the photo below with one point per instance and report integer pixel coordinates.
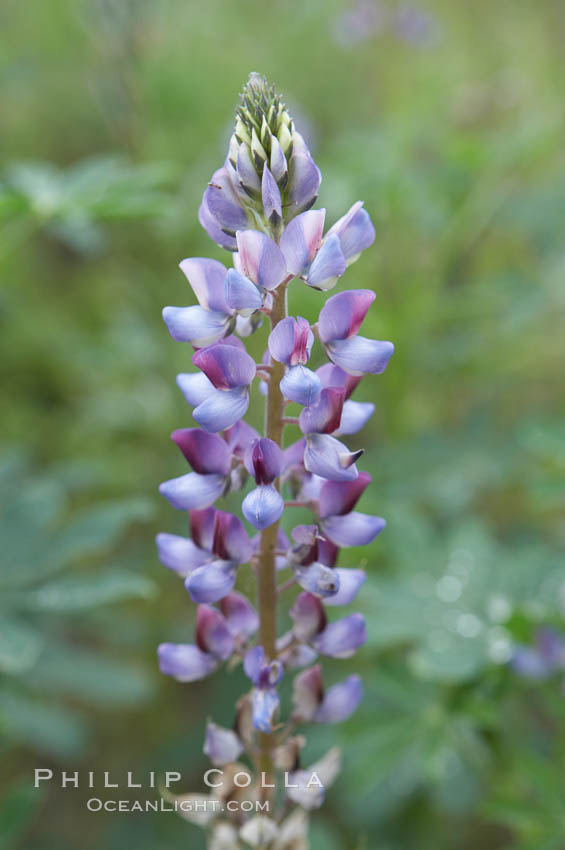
(51, 729)
(98, 528)
(91, 677)
(20, 646)
(76, 593)
(16, 813)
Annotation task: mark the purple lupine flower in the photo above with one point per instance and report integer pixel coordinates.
(265, 676)
(221, 745)
(264, 506)
(312, 703)
(214, 643)
(541, 660)
(416, 26)
(339, 639)
(340, 319)
(258, 205)
(209, 561)
(355, 414)
(338, 521)
(353, 26)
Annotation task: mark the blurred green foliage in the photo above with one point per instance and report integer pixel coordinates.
(115, 113)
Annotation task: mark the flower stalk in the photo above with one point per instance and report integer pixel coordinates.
(259, 207)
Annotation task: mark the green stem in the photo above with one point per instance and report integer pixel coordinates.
(267, 591)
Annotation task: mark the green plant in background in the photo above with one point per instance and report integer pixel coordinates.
(71, 204)
(56, 664)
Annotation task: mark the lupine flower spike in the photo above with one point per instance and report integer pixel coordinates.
(259, 206)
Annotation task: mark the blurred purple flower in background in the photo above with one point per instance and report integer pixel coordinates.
(364, 20)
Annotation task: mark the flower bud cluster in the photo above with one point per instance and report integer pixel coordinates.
(258, 205)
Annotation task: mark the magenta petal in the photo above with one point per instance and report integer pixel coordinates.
(350, 583)
(211, 582)
(331, 375)
(185, 662)
(353, 529)
(202, 527)
(179, 553)
(239, 613)
(324, 416)
(261, 259)
(342, 314)
(340, 701)
(212, 633)
(340, 497)
(327, 553)
(308, 615)
(231, 540)
(206, 453)
(226, 365)
(360, 356)
(207, 279)
(291, 341)
(266, 461)
(327, 457)
(301, 239)
(341, 638)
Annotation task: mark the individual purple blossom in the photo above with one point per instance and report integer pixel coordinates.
(210, 560)
(290, 342)
(312, 703)
(416, 26)
(215, 643)
(222, 295)
(221, 745)
(329, 458)
(355, 414)
(264, 506)
(230, 370)
(357, 24)
(338, 521)
(340, 319)
(541, 660)
(339, 639)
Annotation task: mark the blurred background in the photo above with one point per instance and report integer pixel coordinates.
(447, 118)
